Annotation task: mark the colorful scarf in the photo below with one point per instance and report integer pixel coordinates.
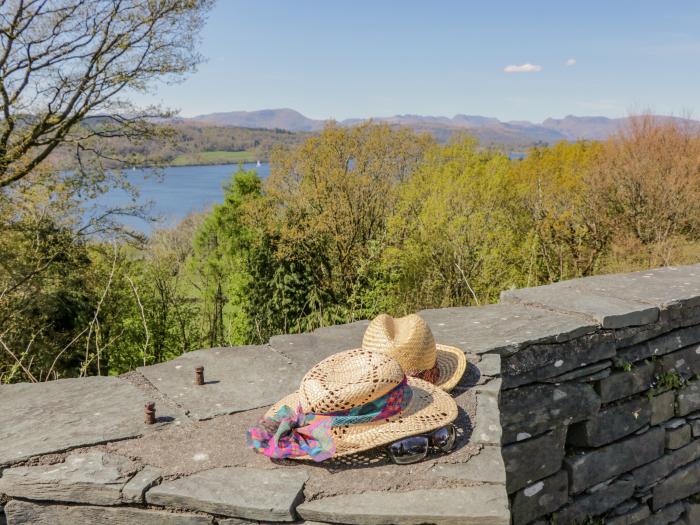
(291, 433)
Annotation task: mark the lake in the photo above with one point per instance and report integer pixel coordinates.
(181, 190)
(176, 192)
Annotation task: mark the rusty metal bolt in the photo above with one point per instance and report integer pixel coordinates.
(199, 375)
(150, 413)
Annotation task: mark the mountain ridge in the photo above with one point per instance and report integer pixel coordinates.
(489, 130)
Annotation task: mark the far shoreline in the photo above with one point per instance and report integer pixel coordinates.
(189, 165)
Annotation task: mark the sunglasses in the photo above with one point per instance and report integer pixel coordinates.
(415, 448)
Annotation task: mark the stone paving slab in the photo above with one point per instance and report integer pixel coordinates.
(25, 512)
(583, 297)
(487, 427)
(236, 379)
(94, 478)
(619, 300)
(661, 286)
(135, 489)
(482, 505)
(241, 492)
(308, 349)
(59, 415)
(486, 467)
(503, 328)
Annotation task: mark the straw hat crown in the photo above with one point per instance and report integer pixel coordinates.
(408, 339)
(348, 380)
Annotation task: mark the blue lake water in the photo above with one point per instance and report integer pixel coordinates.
(175, 192)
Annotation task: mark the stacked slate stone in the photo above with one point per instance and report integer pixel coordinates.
(604, 426)
(78, 452)
(587, 411)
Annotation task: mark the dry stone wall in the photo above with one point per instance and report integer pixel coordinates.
(604, 427)
(581, 405)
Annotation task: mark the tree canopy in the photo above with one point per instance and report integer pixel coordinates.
(65, 66)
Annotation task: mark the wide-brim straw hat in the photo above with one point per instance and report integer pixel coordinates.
(353, 378)
(410, 341)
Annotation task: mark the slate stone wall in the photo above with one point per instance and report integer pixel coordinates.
(587, 411)
(605, 427)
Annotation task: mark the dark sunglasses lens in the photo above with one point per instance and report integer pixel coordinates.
(444, 438)
(409, 450)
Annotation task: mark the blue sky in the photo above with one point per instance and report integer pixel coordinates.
(340, 59)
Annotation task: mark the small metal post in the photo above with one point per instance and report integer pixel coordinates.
(199, 375)
(150, 413)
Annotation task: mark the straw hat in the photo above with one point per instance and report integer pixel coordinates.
(354, 378)
(410, 341)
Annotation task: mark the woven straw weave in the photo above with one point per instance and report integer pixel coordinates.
(354, 377)
(410, 341)
(348, 379)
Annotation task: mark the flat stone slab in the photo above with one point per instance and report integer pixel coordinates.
(596, 503)
(41, 418)
(540, 498)
(486, 467)
(652, 472)
(688, 399)
(611, 423)
(636, 515)
(503, 328)
(662, 287)
(534, 409)
(487, 427)
(682, 483)
(95, 478)
(25, 512)
(623, 384)
(533, 459)
(543, 361)
(480, 505)
(134, 490)
(582, 296)
(601, 464)
(240, 492)
(235, 379)
(620, 300)
(308, 349)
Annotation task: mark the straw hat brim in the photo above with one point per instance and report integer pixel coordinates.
(451, 363)
(430, 408)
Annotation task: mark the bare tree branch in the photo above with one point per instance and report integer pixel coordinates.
(63, 61)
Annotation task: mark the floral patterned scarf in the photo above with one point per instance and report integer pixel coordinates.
(291, 433)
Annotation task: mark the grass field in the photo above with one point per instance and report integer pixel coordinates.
(213, 157)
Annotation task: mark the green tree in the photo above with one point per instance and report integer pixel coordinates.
(222, 253)
(456, 237)
(567, 238)
(330, 199)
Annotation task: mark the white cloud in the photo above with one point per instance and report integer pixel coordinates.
(570, 62)
(524, 68)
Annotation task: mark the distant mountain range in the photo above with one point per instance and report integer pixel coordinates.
(487, 130)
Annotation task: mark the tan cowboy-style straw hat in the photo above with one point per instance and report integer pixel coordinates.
(410, 341)
(359, 382)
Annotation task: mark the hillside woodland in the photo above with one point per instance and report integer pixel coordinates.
(183, 143)
(352, 221)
